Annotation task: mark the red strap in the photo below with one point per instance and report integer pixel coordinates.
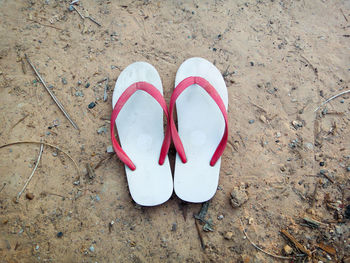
(154, 92)
(216, 97)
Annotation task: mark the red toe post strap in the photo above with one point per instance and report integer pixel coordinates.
(216, 97)
(154, 92)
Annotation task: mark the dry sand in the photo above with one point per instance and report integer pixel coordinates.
(280, 59)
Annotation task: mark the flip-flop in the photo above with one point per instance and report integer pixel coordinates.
(201, 101)
(138, 106)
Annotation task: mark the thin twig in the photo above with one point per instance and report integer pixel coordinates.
(93, 20)
(199, 234)
(20, 120)
(260, 249)
(31, 176)
(331, 98)
(51, 94)
(45, 24)
(296, 243)
(47, 144)
(82, 17)
(344, 15)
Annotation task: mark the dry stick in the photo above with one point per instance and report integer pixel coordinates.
(260, 249)
(199, 234)
(331, 98)
(47, 144)
(51, 94)
(31, 176)
(82, 17)
(93, 20)
(296, 243)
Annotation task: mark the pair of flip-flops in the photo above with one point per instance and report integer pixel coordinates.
(200, 96)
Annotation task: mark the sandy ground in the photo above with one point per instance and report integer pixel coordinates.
(280, 59)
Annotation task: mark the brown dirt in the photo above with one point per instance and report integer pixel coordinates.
(283, 58)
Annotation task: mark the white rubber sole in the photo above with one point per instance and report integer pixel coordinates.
(141, 133)
(201, 127)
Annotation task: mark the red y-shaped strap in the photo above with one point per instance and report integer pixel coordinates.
(154, 92)
(216, 97)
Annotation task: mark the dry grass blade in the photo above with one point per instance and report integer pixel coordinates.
(260, 249)
(331, 98)
(31, 176)
(47, 144)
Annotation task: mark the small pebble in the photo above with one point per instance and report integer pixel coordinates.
(54, 154)
(342, 101)
(79, 82)
(228, 235)
(29, 196)
(37, 247)
(91, 105)
(251, 63)
(102, 129)
(321, 163)
(92, 249)
(238, 197)
(110, 149)
(263, 118)
(48, 133)
(220, 217)
(251, 121)
(87, 85)
(64, 81)
(287, 250)
(348, 168)
(79, 94)
(97, 198)
(70, 8)
(174, 227)
(214, 49)
(59, 234)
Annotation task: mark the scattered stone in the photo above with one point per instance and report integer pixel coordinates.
(322, 163)
(251, 121)
(250, 220)
(79, 94)
(342, 101)
(251, 63)
(174, 227)
(54, 154)
(348, 168)
(29, 196)
(263, 118)
(110, 149)
(278, 134)
(287, 250)
(102, 129)
(238, 197)
(37, 247)
(76, 182)
(92, 249)
(79, 82)
(297, 124)
(71, 8)
(87, 85)
(339, 230)
(228, 235)
(59, 234)
(64, 81)
(97, 198)
(309, 145)
(220, 217)
(91, 105)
